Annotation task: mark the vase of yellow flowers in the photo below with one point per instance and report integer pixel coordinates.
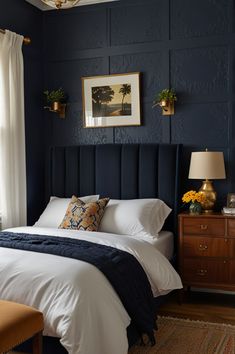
(195, 199)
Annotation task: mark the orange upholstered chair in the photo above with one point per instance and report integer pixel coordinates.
(19, 323)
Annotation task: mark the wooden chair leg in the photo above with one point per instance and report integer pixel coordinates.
(37, 343)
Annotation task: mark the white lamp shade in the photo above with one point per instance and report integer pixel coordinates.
(207, 165)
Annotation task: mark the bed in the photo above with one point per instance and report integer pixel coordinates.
(80, 306)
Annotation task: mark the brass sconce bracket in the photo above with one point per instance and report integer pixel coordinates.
(166, 100)
(168, 107)
(58, 108)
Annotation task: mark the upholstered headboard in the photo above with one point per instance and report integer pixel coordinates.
(119, 171)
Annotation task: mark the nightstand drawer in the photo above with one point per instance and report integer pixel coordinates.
(204, 226)
(231, 227)
(205, 271)
(196, 246)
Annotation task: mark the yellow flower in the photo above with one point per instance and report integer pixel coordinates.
(193, 196)
(200, 197)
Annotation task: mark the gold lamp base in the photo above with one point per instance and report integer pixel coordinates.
(210, 196)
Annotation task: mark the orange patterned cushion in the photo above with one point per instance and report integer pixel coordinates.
(84, 216)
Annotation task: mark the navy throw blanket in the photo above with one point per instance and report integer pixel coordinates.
(121, 268)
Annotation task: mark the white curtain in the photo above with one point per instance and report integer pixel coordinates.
(12, 132)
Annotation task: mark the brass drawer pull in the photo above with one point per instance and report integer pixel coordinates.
(201, 272)
(203, 247)
(203, 227)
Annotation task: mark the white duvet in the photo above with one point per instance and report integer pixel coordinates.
(78, 302)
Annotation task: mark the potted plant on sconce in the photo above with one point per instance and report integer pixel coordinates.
(166, 99)
(56, 101)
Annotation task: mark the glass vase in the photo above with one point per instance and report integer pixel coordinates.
(195, 208)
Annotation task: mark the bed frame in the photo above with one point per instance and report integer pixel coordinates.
(127, 171)
(118, 171)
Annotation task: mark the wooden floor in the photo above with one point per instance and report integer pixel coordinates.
(201, 306)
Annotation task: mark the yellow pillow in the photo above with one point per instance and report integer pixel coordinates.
(84, 216)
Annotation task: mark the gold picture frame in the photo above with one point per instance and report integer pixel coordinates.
(111, 100)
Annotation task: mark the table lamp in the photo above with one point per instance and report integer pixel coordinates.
(207, 165)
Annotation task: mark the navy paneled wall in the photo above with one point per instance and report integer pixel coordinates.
(185, 44)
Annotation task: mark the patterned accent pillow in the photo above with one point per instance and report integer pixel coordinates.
(84, 216)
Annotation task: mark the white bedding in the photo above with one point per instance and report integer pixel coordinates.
(164, 243)
(78, 302)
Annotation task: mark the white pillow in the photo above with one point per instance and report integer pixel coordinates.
(135, 217)
(56, 209)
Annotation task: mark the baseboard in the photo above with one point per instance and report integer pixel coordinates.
(213, 291)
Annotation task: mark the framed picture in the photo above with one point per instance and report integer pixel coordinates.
(111, 100)
(231, 200)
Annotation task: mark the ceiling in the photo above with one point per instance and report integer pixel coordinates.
(40, 5)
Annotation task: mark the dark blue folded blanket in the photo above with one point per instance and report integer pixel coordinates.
(121, 268)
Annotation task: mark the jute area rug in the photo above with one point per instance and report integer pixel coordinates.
(179, 336)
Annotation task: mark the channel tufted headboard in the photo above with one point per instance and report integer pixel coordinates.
(119, 171)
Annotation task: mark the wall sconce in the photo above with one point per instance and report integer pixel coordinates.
(55, 101)
(166, 99)
(167, 107)
(57, 107)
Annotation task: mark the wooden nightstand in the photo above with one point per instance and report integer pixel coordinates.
(207, 250)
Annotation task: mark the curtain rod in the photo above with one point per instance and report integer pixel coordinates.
(26, 40)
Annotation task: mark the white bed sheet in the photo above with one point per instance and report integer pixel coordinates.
(79, 304)
(164, 243)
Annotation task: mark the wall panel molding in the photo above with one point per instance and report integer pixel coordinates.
(188, 45)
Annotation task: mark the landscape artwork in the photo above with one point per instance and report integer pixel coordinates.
(111, 100)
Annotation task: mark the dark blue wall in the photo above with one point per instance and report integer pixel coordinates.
(186, 44)
(19, 16)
